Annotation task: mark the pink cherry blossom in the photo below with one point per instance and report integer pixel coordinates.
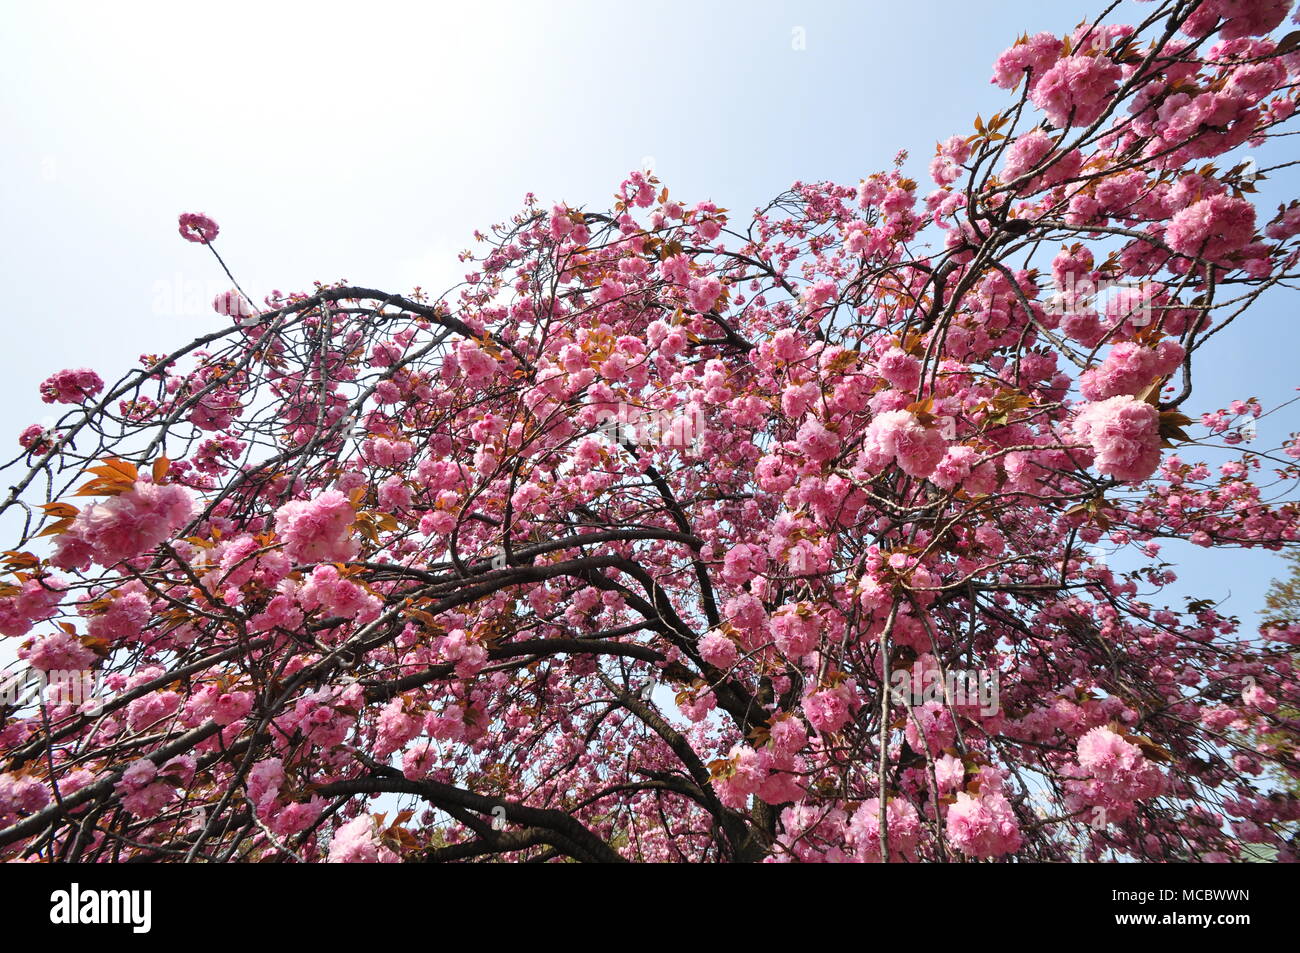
(1124, 435)
(1212, 228)
(319, 529)
(197, 227)
(71, 386)
(842, 530)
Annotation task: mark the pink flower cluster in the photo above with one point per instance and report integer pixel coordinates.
(124, 526)
(946, 167)
(382, 452)
(1036, 55)
(897, 435)
(197, 227)
(983, 826)
(35, 438)
(765, 772)
(151, 709)
(127, 614)
(146, 789)
(60, 652)
(20, 795)
(1129, 368)
(71, 386)
(1124, 434)
(1076, 89)
(718, 650)
(742, 563)
(242, 559)
(900, 369)
(36, 601)
(816, 441)
(318, 530)
(396, 726)
(903, 826)
(282, 817)
(796, 629)
(829, 710)
(961, 465)
(218, 703)
(1235, 18)
(357, 842)
(327, 590)
(1025, 153)
(469, 656)
(1212, 228)
(326, 717)
(1113, 775)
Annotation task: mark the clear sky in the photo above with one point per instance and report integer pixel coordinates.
(368, 141)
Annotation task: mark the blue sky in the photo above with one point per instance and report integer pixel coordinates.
(368, 142)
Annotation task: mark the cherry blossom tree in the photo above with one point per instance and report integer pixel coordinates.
(677, 535)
